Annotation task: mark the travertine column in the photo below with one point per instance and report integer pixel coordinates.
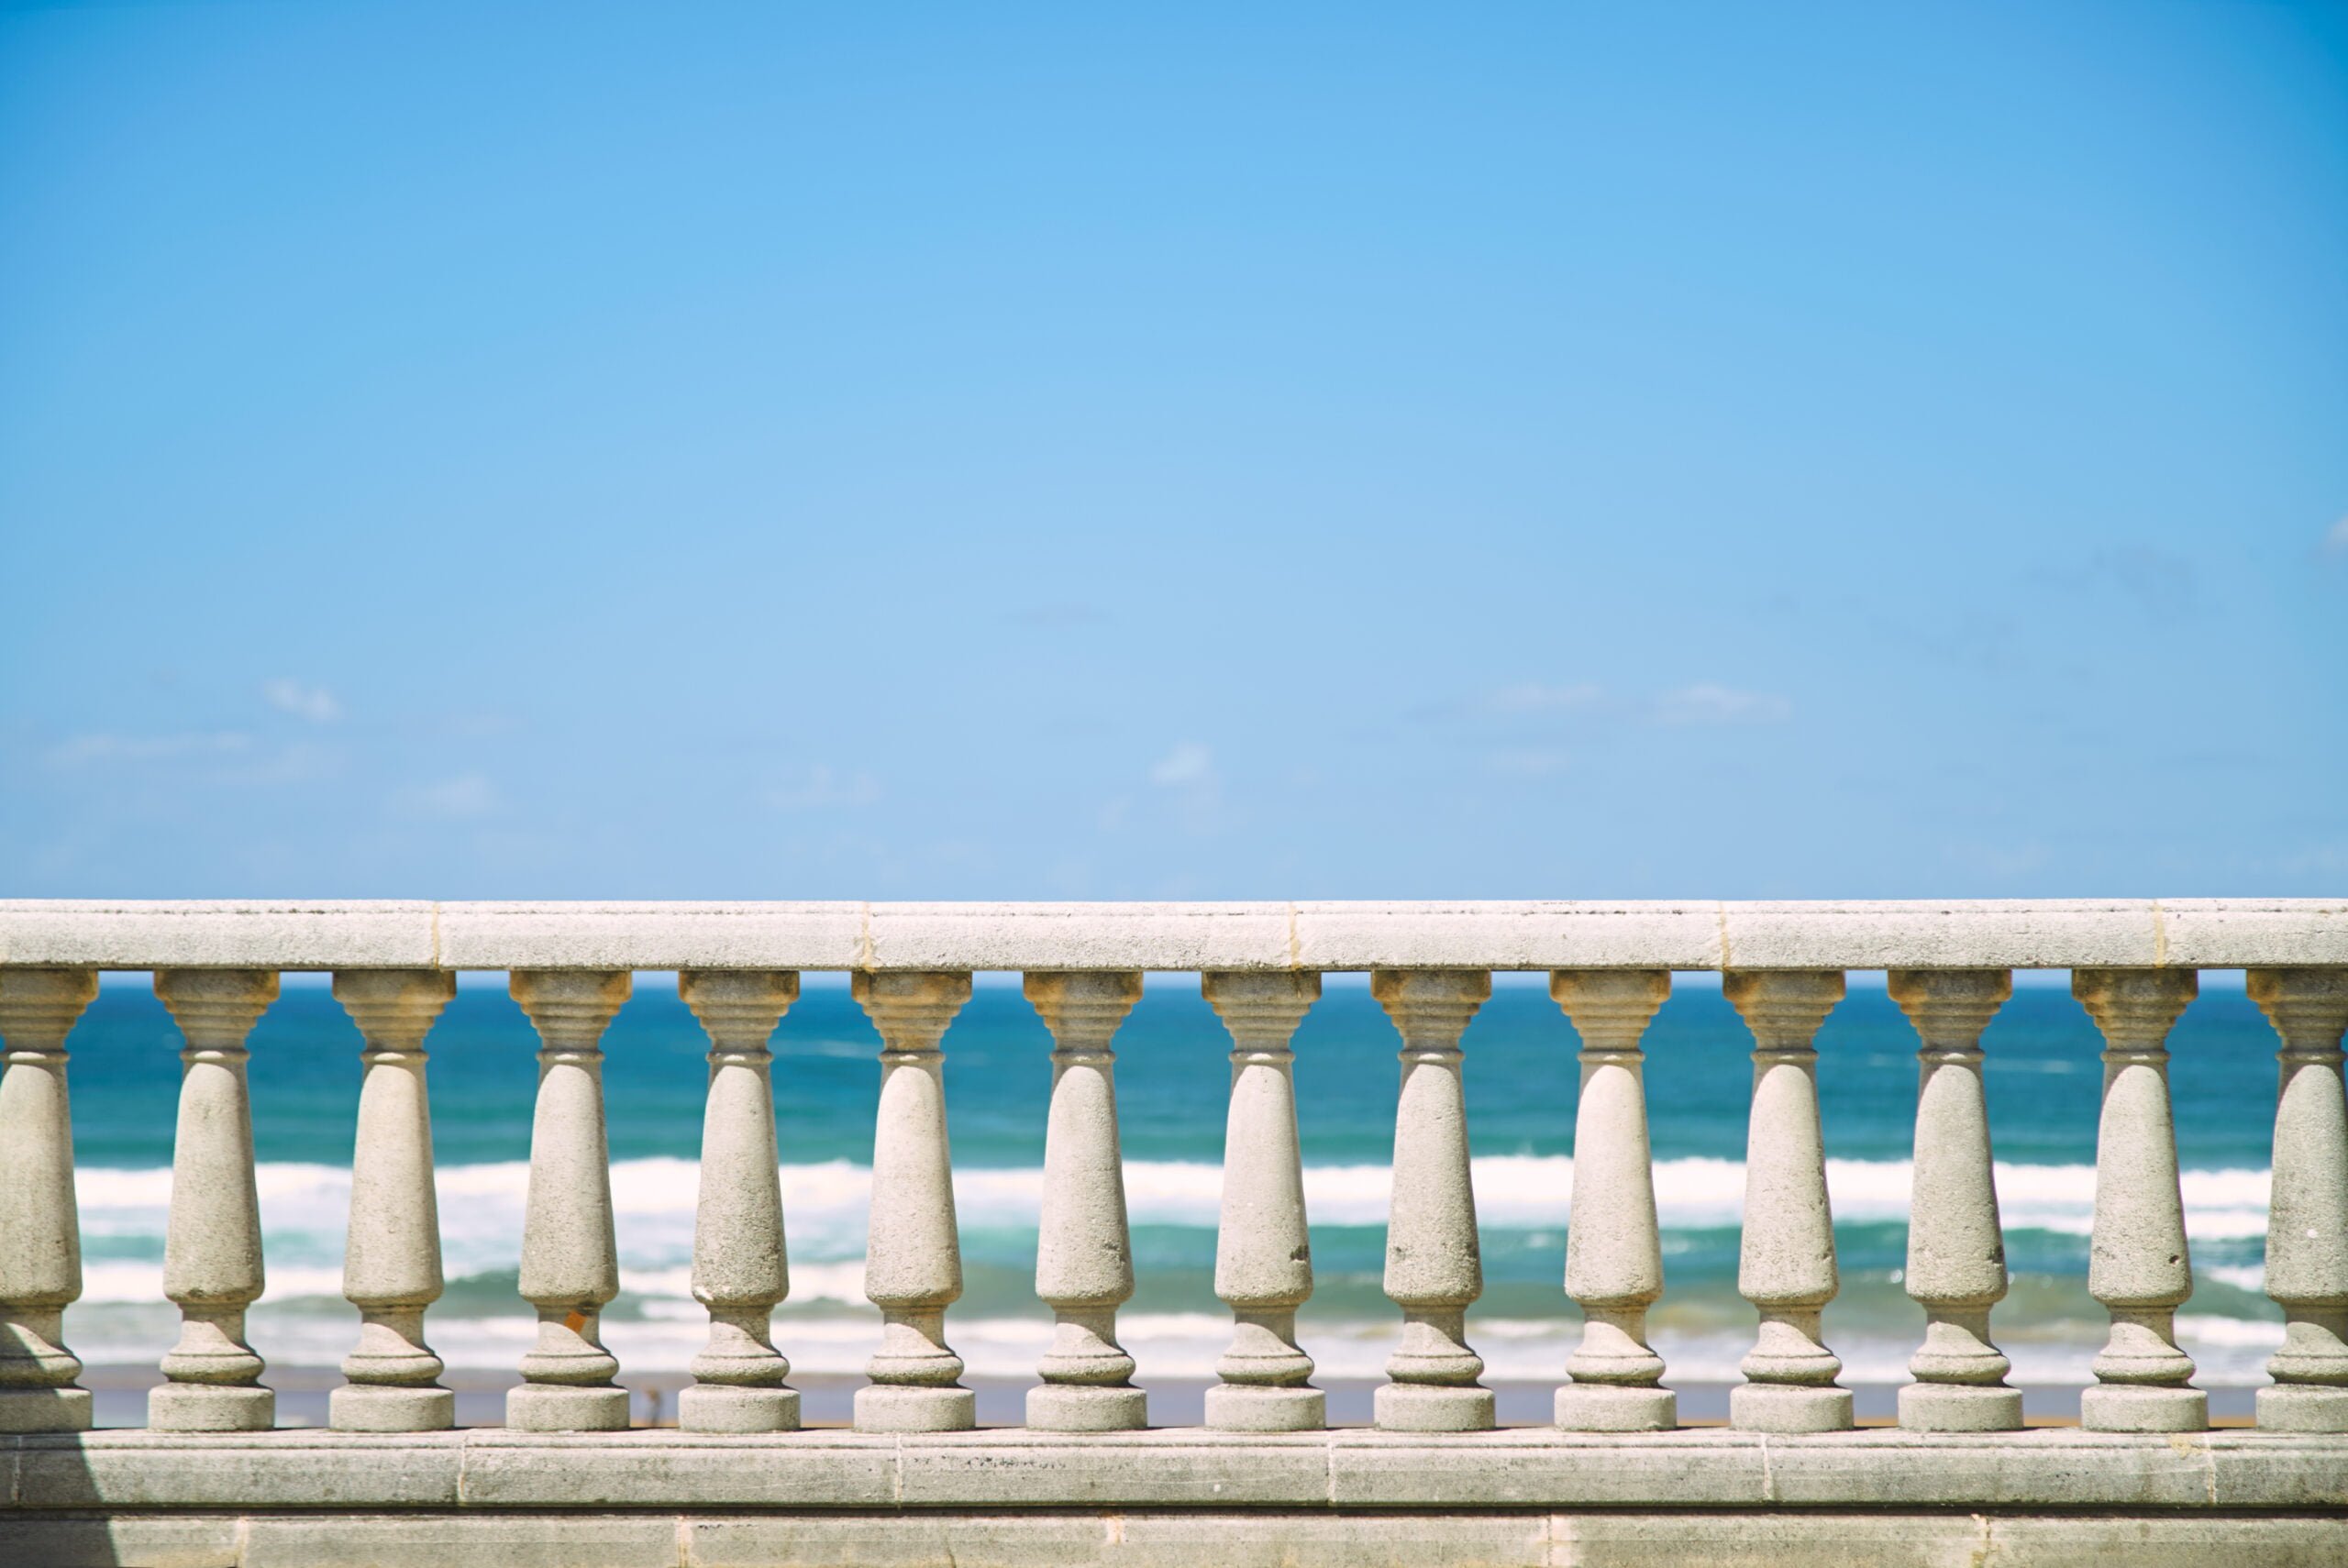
(1785, 1261)
(741, 1272)
(1613, 1249)
(1956, 1248)
(1263, 1253)
(41, 1229)
(570, 1266)
(913, 1256)
(212, 1265)
(1435, 1265)
(1084, 1263)
(2307, 1220)
(2138, 1266)
(391, 1265)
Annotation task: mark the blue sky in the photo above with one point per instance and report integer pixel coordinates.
(1266, 451)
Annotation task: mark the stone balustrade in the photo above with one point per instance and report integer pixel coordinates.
(2134, 967)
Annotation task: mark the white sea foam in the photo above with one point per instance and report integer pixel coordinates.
(482, 1206)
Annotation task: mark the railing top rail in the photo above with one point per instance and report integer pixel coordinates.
(2208, 933)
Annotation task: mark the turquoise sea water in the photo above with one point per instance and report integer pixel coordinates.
(2043, 1074)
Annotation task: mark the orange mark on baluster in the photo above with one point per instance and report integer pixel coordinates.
(574, 1320)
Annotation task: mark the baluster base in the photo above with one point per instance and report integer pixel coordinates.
(68, 1411)
(1613, 1407)
(370, 1408)
(1429, 1407)
(551, 1407)
(1064, 1408)
(1959, 1407)
(1788, 1407)
(2302, 1408)
(711, 1407)
(883, 1408)
(2121, 1408)
(202, 1408)
(1242, 1408)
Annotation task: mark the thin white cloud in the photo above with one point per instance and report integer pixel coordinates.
(1532, 696)
(464, 796)
(1189, 765)
(1707, 702)
(82, 751)
(1531, 762)
(315, 703)
(820, 787)
(2335, 541)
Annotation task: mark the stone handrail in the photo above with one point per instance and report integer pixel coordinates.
(2133, 963)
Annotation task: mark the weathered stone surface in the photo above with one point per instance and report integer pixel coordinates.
(1307, 1473)
(1373, 1538)
(651, 935)
(1112, 936)
(223, 934)
(1691, 935)
(1505, 936)
(1958, 933)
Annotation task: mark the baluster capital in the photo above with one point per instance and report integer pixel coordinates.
(1431, 1009)
(216, 1008)
(1083, 1008)
(1260, 1008)
(570, 1007)
(2134, 1009)
(2308, 1007)
(39, 1007)
(910, 1009)
(394, 1009)
(1610, 1008)
(1783, 1008)
(1950, 1007)
(740, 1008)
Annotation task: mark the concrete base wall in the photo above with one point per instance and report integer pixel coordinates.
(1134, 1499)
(1351, 1539)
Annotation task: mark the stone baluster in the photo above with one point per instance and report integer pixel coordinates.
(2137, 1265)
(1613, 1249)
(1956, 1248)
(2307, 1228)
(741, 1272)
(212, 1262)
(912, 1262)
(40, 1230)
(1786, 1260)
(1433, 1261)
(570, 1268)
(1084, 1263)
(1263, 1255)
(390, 1267)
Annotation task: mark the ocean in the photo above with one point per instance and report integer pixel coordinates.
(2043, 1075)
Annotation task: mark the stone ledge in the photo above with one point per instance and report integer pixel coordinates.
(1697, 934)
(1014, 1469)
(1147, 1539)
